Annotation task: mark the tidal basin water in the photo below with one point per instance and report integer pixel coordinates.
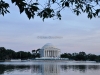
(49, 68)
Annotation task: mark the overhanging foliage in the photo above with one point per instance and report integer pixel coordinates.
(33, 7)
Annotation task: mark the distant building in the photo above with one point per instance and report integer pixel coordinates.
(49, 51)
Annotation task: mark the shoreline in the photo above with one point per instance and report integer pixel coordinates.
(48, 60)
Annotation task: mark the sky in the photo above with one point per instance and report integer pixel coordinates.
(71, 34)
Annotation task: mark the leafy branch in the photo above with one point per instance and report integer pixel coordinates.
(33, 7)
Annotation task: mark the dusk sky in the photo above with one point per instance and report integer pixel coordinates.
(71, 34)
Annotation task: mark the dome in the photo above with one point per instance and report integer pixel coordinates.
(47, 45)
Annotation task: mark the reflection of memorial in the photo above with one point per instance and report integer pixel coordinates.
(46, 69)
(51, 69)
(36, 68)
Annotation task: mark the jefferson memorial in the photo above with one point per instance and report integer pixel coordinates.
(49, 51)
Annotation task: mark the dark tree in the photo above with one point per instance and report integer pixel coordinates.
(35, 53)
(23, 55)
(10, 54)
(52, 8)
(81, 56)
(7, 54)
(92, 57)
(66, 55)
(2, 53)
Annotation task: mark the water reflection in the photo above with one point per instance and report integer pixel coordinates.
(81, 68)
(10, 68)
(48, 69)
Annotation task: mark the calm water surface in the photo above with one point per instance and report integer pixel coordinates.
(49, 68)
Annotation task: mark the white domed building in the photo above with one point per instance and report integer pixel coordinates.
(49, 51)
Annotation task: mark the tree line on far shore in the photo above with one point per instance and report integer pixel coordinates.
(81, 56)
(7, 54)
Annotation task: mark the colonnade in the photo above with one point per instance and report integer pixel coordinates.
(51, 53)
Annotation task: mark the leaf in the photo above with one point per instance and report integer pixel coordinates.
(45, 15)
(97, 11)
(59, 18)
(28, 13)
(48, 10)
(59, 15)
(6, 5)
(7, 11)
(2, 13)
(62, 4)
(97, 1)
(61, 0)
(21, 10)
(94, 14)
(13, 1)
(53, 1)
(89, 15)
(35, 4)
(78, 12)
(72, 2)
(35, 8)
(67, 4)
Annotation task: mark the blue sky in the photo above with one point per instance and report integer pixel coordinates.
(78, 33)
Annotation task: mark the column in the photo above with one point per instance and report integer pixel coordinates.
(57, 53)
(54, 53)
(44, 53)
(49, 53)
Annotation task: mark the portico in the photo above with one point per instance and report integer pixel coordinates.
(48, 50)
